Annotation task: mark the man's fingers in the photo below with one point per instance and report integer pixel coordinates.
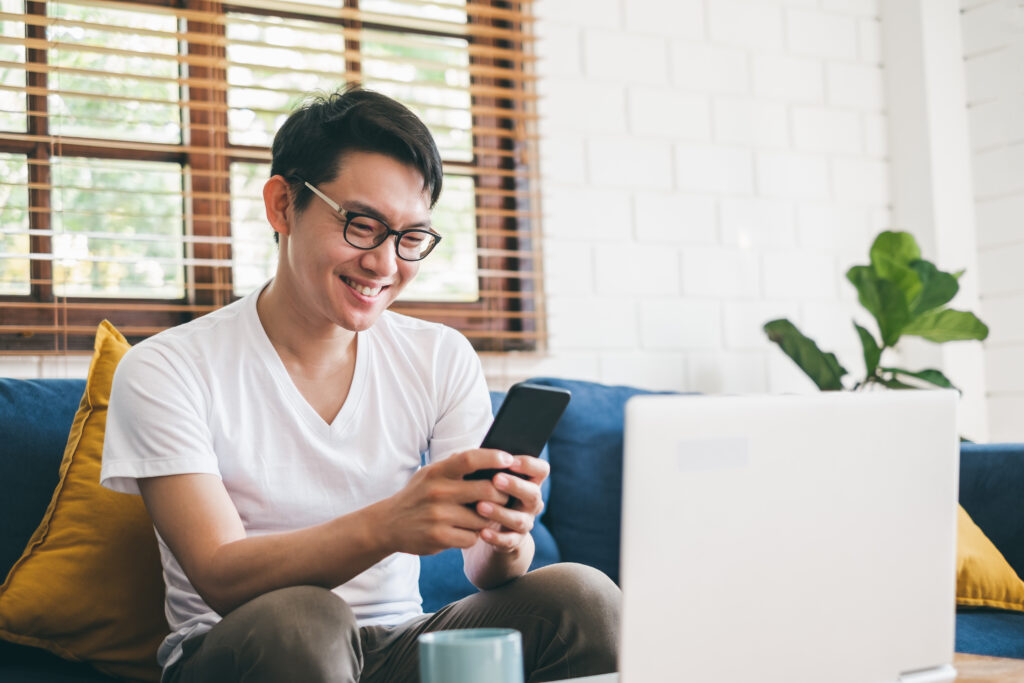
(534, 468)
(502, 541)
(525, 491)
(479, 490)
(468, 462)
(510, 519)
(469, 519)
(461, 538)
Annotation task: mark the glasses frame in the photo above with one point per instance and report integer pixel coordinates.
(349, 215)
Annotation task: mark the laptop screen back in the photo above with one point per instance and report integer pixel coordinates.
(792, 539)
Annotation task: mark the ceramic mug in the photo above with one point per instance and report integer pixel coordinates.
(472, 655)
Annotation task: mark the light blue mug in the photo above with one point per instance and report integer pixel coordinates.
(472, 655)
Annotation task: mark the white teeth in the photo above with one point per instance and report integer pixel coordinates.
(365, 291)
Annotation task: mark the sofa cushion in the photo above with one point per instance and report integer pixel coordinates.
(22, 664)
(442, 580)
(990, 632)
(586, 473)
(983, 577)
(89, 585)
(35, 418)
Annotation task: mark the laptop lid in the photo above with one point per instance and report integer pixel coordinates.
(794, 539)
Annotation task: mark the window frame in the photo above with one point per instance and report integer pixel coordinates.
(508, 313)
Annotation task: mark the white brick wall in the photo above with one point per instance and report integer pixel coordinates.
(29, 367)
(714, 169)
(818, 34)
(993, 33)
(702, 67)
(817, 129)
(746, 23)
(671, 217)
(750, 122)
(629, 162)
(665, 112)
(717, 164)
(673, 19)
(792, 79)
(625, 56)
(757, 222)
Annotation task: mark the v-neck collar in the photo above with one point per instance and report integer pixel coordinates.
(275, 365)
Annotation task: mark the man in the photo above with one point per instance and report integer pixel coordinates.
(276, 442)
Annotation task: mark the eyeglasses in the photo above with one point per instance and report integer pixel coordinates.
(366, 232)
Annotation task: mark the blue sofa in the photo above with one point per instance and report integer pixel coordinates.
(580, 522)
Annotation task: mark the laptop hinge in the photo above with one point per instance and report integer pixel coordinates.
(939, 674)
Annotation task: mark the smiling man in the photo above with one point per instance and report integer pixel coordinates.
(276, 442)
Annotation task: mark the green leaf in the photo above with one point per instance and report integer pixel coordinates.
(931, 376)
(937, 287)
(895, 384)
(891, 256)
(947, 325)
(872, 354)
(883, 299)
(823, 368)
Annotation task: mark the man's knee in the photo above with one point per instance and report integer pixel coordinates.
(579, 585)
(305, 632)
(587, 598)
(586, 605)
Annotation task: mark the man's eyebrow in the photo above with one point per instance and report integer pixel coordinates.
(356, 206)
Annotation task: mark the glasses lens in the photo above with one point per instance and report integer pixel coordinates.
(365, 232)
(416, 244)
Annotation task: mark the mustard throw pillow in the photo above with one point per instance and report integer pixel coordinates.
(89, 585)
(983, 576)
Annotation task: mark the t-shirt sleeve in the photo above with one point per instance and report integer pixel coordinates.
(464, 403)
(155, 425)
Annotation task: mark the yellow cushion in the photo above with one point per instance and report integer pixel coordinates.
(983, 576)
(89, 585)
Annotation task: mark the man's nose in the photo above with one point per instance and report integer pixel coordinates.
(382, 259)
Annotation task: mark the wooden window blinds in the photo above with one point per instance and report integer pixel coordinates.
(135, 136)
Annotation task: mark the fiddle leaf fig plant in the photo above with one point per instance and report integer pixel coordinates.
(907, 296)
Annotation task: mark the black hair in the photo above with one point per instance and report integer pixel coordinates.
(312, 141)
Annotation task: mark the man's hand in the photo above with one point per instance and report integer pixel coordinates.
(505, 549)
(435, 510)
(510, 525)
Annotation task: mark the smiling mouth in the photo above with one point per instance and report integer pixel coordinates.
(365, 291)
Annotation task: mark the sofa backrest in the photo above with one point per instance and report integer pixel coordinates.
(991, 481)
(35, 418)
(586, 473)
(583, 495)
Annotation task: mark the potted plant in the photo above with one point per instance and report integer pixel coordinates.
(907, 296)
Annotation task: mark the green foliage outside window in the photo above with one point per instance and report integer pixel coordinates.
(14, 270)
(117, 228)
(124, 96)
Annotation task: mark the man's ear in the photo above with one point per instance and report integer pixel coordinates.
(277, 199)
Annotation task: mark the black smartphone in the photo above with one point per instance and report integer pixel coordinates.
(524, 422)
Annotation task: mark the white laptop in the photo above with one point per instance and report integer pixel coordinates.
(789, 539)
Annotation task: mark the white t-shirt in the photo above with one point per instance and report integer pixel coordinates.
(213, 396)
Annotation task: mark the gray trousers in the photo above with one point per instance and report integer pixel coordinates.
(568, 615)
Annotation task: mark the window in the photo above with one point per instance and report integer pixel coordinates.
(134, 144)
